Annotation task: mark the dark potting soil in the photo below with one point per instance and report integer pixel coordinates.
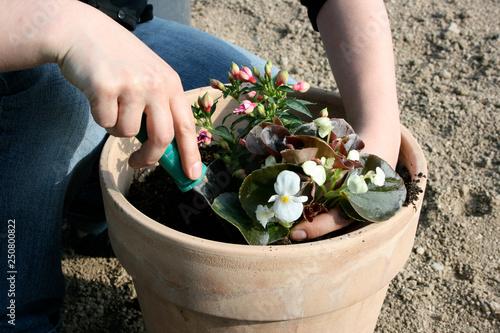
(158, 197)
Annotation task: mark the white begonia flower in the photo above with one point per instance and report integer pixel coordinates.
(353, 155)
(315, 171)
(324, 126)
(356, 184)
(264, 215)
(287, 206)
(379, 177)
(270, 161)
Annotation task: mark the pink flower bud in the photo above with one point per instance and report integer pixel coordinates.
(213, 83)
(224, 145)
(246, 75)
(323, 113)
(282, 77)
(251, 95)
(221, 86)
(245, 108)
(216, 84)
(207, 102)
(235, 71)
(302, 86)
(261, 110)
(240, 174)
(243, 142)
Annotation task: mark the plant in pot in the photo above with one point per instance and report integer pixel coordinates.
(285, 169)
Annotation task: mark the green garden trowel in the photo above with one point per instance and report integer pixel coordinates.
(214, 179)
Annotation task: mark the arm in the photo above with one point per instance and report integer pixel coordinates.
(121, 77)
(357, 38)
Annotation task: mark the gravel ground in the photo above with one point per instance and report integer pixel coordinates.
(447, 58)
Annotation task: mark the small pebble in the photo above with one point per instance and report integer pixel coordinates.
(495, 309)
(484, 307)
(445, 75)
(464, 190)
(437, 267)
(420, 250)
(454, 28)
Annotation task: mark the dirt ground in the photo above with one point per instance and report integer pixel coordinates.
(447, 59)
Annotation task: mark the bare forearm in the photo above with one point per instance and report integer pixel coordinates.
(357, 38)
(27, 30)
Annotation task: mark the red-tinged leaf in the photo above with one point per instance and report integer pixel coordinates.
(324, 150)
(299, 156)
(341, 128)
(273, 137)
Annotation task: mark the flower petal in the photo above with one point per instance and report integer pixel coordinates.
(353, 155)
(270, 161)
(302, 198)
(308, 167)
(264, 214)
(274, 197)
(288, 211)
(356, 185)
(323, 132)
(323, 122)
(287, 183)
(315, 171)
(379, 178)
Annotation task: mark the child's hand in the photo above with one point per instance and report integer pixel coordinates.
(122, 78)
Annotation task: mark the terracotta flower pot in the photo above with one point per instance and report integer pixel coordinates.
(189, 284)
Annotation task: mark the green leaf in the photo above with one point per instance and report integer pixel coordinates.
(379, 203)
(214, 107)
(291, 121)
(250, 125)
(286, 88)
(227, 116)
(228, 207)
(299, 106)
(256, 87)
(349, 210)
(246, 117)
(223, 132)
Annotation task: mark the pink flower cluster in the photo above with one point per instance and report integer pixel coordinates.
(204, 138)
(244, 74)
(245, 108)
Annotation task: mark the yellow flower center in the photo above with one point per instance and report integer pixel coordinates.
(285, 198)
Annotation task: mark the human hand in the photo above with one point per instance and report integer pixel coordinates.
(122, 79)
(336, 218)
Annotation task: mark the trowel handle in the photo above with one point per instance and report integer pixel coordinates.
(171, 162)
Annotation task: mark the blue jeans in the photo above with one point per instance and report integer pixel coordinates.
(48, 143)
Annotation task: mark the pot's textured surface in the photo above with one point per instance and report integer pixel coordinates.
(188, 284)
